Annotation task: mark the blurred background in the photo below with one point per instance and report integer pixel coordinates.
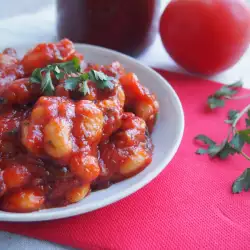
(27, 22)
(12, 8)
(31, 21)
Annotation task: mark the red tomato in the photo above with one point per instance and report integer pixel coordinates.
(206, 36)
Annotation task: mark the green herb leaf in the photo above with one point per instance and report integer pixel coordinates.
(36, 76)
(84, 88)
(84, 76)
(222, 150)
(225, 91)
(248, 113)
(217, 99)
(245, 135)
(47, 86)
(226, 151)
(237, 84)
(201, 151)
(242, 182)
(232, 116)
(96, 76)
(237, 142)
(214, 102)
(58, 73)
(102, 81)
(247, 122)
(215, 150)
(71, 83)
(72, 66)
(59, 76)
(206, 140)
(59, 70)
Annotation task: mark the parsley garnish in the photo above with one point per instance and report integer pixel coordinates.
(232, 116)
(242, 182)
(235, 140)
(101, 80)
(224, 93)
(222, 150)
(47, 86)
(43, 75)
(72, 82)
(83, 88)
(233, 144)
(247, 120)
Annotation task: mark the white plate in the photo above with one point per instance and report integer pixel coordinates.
(167, 136)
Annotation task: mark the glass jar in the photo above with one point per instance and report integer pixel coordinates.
(128, 26)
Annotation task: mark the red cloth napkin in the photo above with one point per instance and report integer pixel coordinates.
(188, 206)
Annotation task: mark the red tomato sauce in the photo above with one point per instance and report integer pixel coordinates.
(56, 149)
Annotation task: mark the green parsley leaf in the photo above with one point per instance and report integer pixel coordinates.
(215, 102)
(71, 83)
(237, 84)
(237, 142)
(84, 76)
(68, 67)
(225, 92)
(59, 70)
(201, 151)
(36, 76)
(84, 88)
(242, 182)
(97, 75)
(222, 150)
(245, 135)
(47, 86)
(102, 81)
(247, 122)
(59, 76)
(216, 150)
(232, 116)
(206, 140)
(226, 151)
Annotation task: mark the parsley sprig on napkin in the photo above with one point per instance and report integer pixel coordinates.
(235, 140)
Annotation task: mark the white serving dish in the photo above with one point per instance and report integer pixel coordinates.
(167, 136)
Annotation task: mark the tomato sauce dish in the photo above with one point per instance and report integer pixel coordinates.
(80, 128)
